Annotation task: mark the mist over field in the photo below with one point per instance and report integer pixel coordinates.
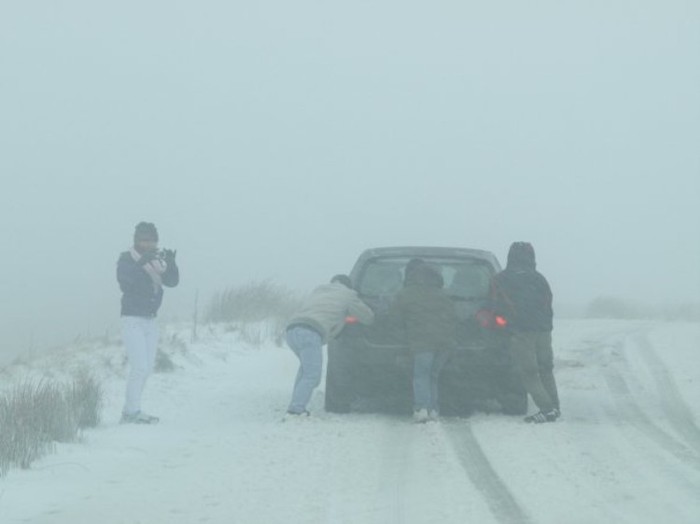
(278, 140)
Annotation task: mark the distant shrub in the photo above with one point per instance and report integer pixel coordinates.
(687, 311)
(36, 415)
(254, 303)
(613, 307)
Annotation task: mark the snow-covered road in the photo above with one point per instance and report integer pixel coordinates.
(627, 448)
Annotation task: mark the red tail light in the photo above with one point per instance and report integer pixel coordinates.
(488, 319)
(351, 320)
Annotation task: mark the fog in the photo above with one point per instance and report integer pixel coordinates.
(278, 140)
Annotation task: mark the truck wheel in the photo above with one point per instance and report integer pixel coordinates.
(338, 395)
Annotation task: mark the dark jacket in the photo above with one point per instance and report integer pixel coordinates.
(140, 298)
(426, 315)
(522, 295)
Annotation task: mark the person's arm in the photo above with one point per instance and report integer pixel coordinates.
(171, 276)
(547, 293)
(500, 303)
(493, 293)
(361, 311)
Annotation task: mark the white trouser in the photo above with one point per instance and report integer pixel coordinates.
(140, 337)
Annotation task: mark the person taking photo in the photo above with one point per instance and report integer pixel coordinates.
(142, 272)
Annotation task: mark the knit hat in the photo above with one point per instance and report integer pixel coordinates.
(342, 279)
(411, 267)
(425, 274)
(145, 231)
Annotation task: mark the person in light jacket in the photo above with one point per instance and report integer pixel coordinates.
(142, 271)
(320, 319)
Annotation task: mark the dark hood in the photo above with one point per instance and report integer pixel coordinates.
(424, 275)
(521, 256)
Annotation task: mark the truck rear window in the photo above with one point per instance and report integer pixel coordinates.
(464, 278)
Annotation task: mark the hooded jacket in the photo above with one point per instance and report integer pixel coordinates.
(325, 310)
(424, 312)
(521, 294)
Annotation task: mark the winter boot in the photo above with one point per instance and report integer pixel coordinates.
(420, 416)
(539, 417)
(294, 415)
(138, 418)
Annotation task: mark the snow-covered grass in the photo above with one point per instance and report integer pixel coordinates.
(627, 448)
(34, 415)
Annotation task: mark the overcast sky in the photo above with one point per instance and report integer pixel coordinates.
(277, 139)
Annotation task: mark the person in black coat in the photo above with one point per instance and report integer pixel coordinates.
(142, 271)
(523, 297)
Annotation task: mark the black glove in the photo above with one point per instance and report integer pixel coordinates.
(169, 255)
(147, 257)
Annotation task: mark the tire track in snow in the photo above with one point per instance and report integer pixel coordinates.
(628, 412)
(679, 415)
(636, 417)
(394, 470)
(384, 499)
(483, 476)
(640, 458)
(628, 409)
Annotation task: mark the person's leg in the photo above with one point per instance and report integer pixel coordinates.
(136, 346)
(151, 332)
(523, 351)
(292, 344)
(545, 363)
(422, 366)
(441, 358)
(307, 345)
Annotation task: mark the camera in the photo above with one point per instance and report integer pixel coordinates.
(165, 254)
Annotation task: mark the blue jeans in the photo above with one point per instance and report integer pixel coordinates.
(307, 345)
(427, 367)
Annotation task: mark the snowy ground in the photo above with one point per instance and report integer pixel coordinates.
(627, 448)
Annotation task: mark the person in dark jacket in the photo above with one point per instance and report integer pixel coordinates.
(428, 320)
(142, 272)
(523, 297)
